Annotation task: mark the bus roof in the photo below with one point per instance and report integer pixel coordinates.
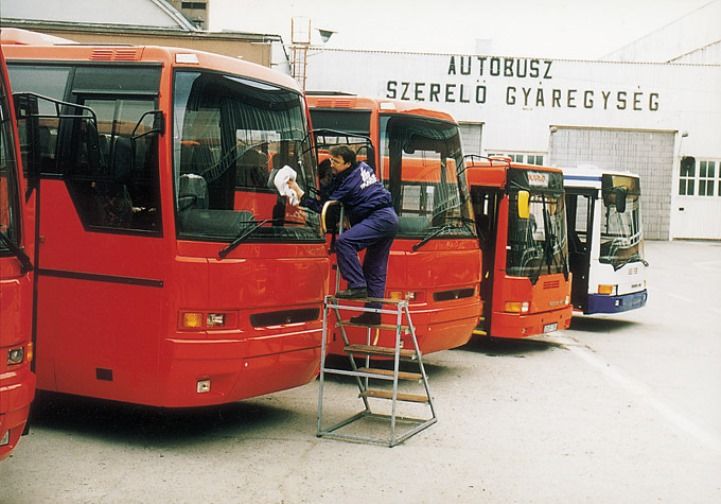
(589, 176)
(172, 57)
(380, 105)
(493, 172)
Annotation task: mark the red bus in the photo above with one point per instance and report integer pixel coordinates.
(434, 260)
(168, 274)
(17, 382)
(520, 219)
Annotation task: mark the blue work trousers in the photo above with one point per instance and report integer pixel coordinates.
(374, 233)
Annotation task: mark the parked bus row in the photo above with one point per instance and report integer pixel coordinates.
(167, 272)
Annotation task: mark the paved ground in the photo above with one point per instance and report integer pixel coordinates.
(623, 409)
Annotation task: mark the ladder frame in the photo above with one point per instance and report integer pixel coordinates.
(362, 378)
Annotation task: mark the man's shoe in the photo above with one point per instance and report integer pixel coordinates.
(367, 318)
(358, 293)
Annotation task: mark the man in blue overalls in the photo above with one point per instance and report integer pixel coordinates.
(374, 224)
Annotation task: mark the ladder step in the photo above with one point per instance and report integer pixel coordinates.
(377, 350)
(388, 394)
(403, 375)
(388, 327)
(387, 301)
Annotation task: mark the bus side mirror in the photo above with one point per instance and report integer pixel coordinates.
(26, 112)
(524, 207)
(619, 194)
(158, 126)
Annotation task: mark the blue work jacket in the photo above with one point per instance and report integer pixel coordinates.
(358, 189)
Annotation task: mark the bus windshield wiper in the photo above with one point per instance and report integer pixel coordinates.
(432, 234)
(244, 233)
(634, 258)
(25, 264)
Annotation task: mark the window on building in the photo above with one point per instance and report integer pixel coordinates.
(687, 177)
(516, 157)
(535, 159)
(706, 178)
(193, 5)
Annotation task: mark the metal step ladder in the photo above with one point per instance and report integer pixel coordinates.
(365, 425)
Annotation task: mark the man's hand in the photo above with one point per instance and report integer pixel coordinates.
(296, 189)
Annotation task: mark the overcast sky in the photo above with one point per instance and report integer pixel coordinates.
(584, 29)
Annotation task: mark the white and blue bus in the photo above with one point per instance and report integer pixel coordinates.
(605, 240)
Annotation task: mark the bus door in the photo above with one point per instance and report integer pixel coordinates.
(485, 207)
(100, 273)
(580, 207)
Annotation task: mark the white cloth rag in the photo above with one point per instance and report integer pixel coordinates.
(281, 180)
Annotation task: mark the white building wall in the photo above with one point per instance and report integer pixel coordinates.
(517, 110)
(690, 32)
(518, 99)
(710, 54)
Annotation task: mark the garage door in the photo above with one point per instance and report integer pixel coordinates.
(471, 137)
(649, 153)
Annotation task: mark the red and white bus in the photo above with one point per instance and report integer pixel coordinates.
(434, 260)
(17, 382)
(521, 223)
(168, 274)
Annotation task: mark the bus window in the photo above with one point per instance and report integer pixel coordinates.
(45, 81)
(485, 202)
(111, 171)
(229, 134)
(9, 225)
(621, 239)
(419, 163)
(537, 243)
(118, 189)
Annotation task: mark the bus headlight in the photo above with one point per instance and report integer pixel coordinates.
(16, 356)
(215, 320)
(192, 320)
(417, 297)
(204, 320)
(606, 289)
(516, 306)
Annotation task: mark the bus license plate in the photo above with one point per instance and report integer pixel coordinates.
(550, 327)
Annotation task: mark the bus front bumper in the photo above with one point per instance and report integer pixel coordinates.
(514, 325)
(615, 304)
(14, 409)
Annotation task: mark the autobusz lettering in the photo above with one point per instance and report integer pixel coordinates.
(483, 66)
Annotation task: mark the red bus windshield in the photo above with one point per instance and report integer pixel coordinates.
(230, 133)
(538, 244)
(420, 160)
(9, 223)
